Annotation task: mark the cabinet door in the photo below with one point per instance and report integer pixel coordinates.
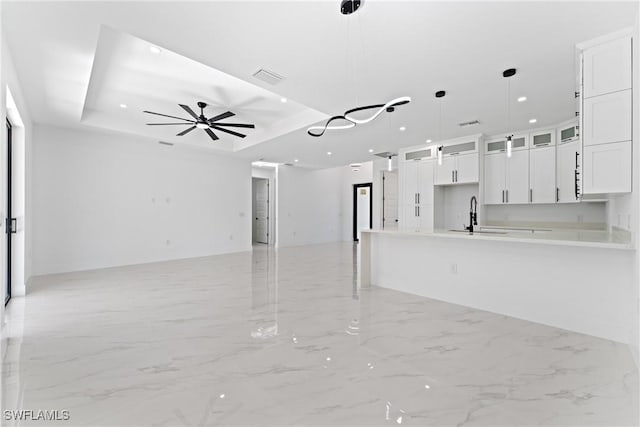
(466, 168)
(409, 182)
(425, 218)
(425, 181)
(607, 118)
(607, 168)
(568, 158)
(542, 174)
(517, 177)
(494, 178)
(444, 172)
(607, 67)
(408, 218)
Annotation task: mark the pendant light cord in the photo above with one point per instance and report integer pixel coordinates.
(508, 104)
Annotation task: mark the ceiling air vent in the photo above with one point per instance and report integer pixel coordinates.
(165, 143)
(268, 76)
(471, 123)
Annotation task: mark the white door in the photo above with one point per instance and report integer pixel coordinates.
(607, 118)
(542, 174)
(607, 67)
(444, 172)
(390, 200)
(494, 178)
(517, 177)
(260, 208)
(467, 168)
(568, 156)
(363, 209)
(409, 182)
(607, 168)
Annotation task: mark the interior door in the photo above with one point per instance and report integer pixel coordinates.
(260, 210)
(390, 200)
(10, 223)
(362, 209)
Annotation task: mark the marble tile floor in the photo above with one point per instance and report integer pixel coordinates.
(278, 338)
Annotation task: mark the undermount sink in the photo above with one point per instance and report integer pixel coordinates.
(480, 232)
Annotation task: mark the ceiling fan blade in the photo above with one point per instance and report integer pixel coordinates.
(228, 131)
(189, 110)
(186, 131)
(211, 134)
(167, 124)
(221, 116)
(165, 115)
(238, 125)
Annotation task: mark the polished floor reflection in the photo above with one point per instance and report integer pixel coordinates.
(285, 338)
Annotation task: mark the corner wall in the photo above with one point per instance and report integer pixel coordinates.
(104, 199)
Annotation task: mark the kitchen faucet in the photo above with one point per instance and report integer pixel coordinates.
(473, 214)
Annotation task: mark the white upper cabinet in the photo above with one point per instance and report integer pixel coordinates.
(542, 175)
(607, 168)
(607, 67)
(494, 178)
(460, 163)
(607, 118)
(568, 159)
(416, 182)
(517, 189)
(607, 121)
(543, 138)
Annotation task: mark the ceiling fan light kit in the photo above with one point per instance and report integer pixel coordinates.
(202, 122)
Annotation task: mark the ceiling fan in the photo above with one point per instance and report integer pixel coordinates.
(201, 122)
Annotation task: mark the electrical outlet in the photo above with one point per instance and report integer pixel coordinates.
(453, 268)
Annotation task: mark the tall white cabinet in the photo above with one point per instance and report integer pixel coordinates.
(607, 116)
(506, 178)
(416, 183)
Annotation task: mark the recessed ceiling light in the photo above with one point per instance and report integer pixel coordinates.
(402, 128)
(283, 100)
(296, 160)
(428, 141)
(371, 150)
(522, 99)
(533, 120)
(154, 49)
(123, 105)
(329, 153)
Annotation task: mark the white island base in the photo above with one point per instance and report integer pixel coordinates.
(585, 287)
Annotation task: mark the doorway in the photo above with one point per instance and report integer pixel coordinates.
(10, 225)
(362, 208)
(389, 200)
(260, 209)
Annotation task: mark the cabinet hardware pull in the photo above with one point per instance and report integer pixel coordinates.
(577, 154)
(531, 195)
(452, 179)
(557, 194)
(507, 191)
(456, 175)
(502, 196)
(577, 189)
(418, 199)
(418, 210)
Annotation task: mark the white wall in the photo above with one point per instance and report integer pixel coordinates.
(104, 199)
(309, 208)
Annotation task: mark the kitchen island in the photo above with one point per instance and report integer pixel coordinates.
(581, 280)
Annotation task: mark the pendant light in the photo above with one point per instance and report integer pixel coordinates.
(510, 72)
(389, 164)
(440, 94)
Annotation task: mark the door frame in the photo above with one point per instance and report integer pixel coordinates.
(8, 224)
(355, 207)
(268, 242)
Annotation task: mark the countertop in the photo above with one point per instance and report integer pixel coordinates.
(559, 237)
